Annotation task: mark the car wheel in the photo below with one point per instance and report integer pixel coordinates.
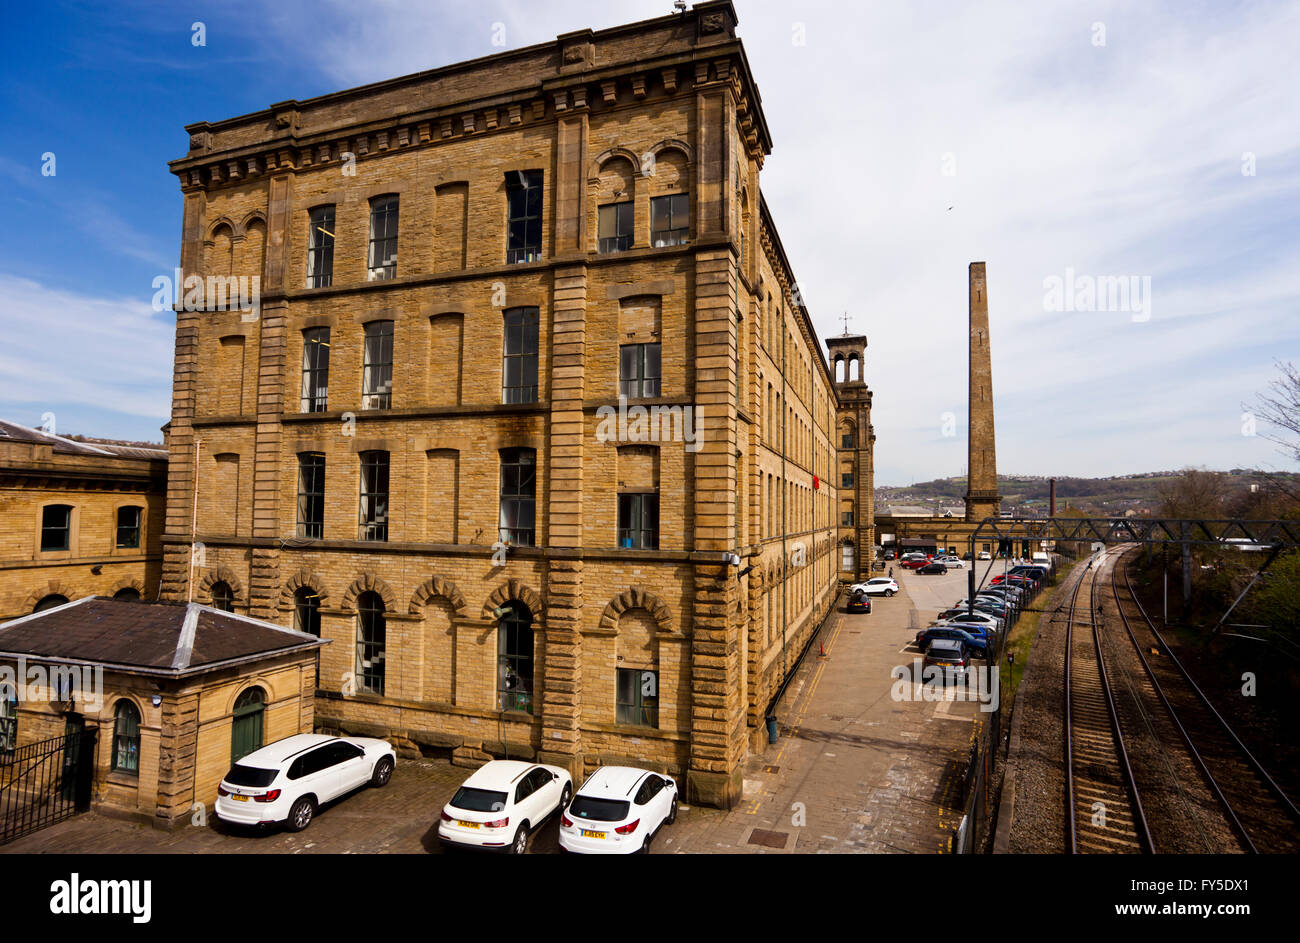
(672, 812)
(645, 845)
(520, 845)
(889, 592)
(565, 797)
(300, 814)
(383, 772)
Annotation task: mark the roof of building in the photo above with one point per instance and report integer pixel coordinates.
(80, 445)
(170, 639)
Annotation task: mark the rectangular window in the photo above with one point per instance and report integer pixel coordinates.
(315, 369)
(377, 368)
(638, 521)
(637, 697)
(519, 358)
(383, 238)
(524, 216)
(846, 441)
(56, 527)
(320, 248)
(846, 518)
(846, 480)
(670, 220)
(128, 526)
(373, 517)
(518, 496)
(614, 227)
(638, 370)
(311, 495)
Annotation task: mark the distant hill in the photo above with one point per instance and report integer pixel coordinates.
(1028, 494)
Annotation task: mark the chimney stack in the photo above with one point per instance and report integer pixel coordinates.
(1051, 498)
(982, 499)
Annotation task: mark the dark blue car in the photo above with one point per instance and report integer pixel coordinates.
(978, 646)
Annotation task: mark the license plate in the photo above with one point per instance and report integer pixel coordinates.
(239, 798)
(945, 664)
(588, 833)
(468, 824)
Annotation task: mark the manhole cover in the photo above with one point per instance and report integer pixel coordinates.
(768, 838)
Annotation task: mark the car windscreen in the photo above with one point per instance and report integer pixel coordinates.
(250, 776)
(478, 800)
(598, 810)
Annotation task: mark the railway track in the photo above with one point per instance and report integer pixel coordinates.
(1254, 807)
(1103, 809)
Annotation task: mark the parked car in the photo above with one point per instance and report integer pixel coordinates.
(932, 569)
(877, 586)
(858, 602)
(287, 781)
(914, 563)
(966, 555)
(502, 803)
(985, 555)
(957, 615)
(951, 562)
(978, 645)
(618, 810)
(949, 655)
(889, 554)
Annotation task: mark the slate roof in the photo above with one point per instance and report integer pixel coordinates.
(81, 445)
(171, 639)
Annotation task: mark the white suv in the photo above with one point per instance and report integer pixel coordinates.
(617, 811)
(290, 779)
(501, 803)
(880, 585)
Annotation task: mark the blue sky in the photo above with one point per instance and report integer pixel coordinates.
(911, 138)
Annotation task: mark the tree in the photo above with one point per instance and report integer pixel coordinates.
(1279, 407)
(1195, 493)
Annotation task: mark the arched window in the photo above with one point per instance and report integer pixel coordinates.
(50, 601)
(127, 594)
(246, 726)
(8, 718)
(126, 738)
(371, 635)
(515, 659)
(306, 617)
(223, 597)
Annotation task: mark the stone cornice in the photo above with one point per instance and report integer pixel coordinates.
(580, 85)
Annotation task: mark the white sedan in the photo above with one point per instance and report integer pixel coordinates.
(952, 563)
(879, 586)
(502, 803)
(617, 811)
(290, 779)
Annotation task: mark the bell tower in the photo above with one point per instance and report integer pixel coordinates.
(855, 472)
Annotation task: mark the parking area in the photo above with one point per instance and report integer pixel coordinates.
(864, 763)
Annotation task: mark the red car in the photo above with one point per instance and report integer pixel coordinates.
(913, 564)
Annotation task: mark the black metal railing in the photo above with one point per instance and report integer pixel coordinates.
(45, 782)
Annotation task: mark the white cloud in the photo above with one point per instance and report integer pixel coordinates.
(90, 354)
(1113, 160)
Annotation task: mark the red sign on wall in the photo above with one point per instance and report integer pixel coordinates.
(817, 483)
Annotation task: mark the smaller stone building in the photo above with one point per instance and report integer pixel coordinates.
(81, 517)
(176, 692)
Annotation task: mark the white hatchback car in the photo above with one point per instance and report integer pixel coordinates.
(290, 779)
(501, 803)
(952, 563)
(617, 811)
(879, 586)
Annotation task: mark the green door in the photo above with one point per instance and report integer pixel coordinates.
(246, 729)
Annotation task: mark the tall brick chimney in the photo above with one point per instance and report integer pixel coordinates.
(1051, 498)
(982, 499)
